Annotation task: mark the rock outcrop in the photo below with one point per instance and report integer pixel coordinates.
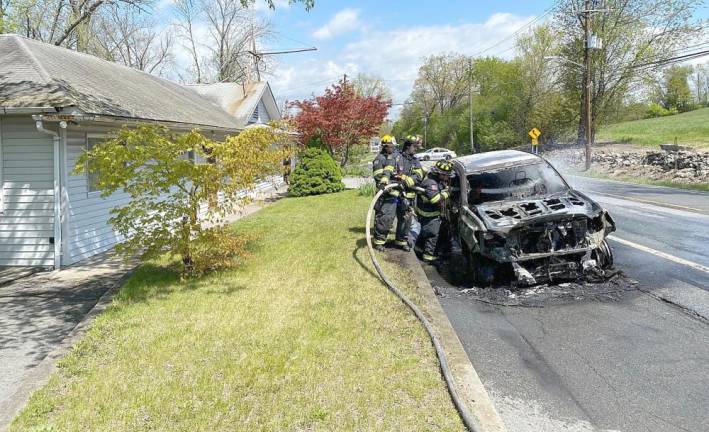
(681, 166)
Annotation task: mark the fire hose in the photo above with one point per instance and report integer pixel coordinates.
(465, 416)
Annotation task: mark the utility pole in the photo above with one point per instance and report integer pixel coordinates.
(470, 104)
(344, 80)
(587, 81)
(425, 123)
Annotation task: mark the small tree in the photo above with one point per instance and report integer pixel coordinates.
(317, 173)
(340, 118)
(677, 94)
(170, 177)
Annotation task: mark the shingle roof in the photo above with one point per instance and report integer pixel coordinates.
(36, 74)
(239, 101)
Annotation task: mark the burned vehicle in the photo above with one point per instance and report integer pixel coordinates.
(518, 221)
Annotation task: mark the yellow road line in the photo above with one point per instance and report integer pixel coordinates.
(664, 255)
(657, 203)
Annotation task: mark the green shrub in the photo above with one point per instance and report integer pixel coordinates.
(367, 189)
(657, 110)
(219, 248)
(316, 173)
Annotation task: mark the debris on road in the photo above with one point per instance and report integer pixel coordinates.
(597, 284)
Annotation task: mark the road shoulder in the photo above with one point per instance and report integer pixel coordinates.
(470, 387)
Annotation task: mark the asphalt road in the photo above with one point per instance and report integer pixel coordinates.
(632, 360)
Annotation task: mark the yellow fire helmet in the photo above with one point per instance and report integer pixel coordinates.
(443, 167)
(387, 139)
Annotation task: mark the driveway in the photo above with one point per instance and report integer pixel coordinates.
(41, 310)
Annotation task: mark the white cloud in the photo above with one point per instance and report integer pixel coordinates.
(396, 55)
(344, 21)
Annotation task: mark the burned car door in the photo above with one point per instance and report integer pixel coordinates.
(467, 224)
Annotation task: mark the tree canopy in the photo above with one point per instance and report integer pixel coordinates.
(541, 85)
(340, 119)
(171, 177)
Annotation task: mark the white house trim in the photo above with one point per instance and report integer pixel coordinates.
(64, 198)
(2, 178)
(56, 141)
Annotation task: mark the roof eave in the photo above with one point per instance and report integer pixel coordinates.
(27, 110)
(95, 118)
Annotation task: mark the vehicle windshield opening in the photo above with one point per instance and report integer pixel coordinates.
(514, 183)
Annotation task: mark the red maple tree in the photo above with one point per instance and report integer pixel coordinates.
(340, 119)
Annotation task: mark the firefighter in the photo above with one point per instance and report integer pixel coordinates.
(386, 166)
(429, 206)
(411, 176)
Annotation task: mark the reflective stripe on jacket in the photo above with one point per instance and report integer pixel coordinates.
(412, 174)
(428, 202)
(384, 167)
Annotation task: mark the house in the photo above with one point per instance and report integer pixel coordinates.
(54, 104)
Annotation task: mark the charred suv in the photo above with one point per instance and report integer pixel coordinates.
(518, 220)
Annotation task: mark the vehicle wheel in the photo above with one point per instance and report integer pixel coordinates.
(479, 270)
(426, 158)
(448, 157)
(603, 255)
(468, 272)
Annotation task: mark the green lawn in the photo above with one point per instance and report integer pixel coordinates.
(691, 128)
(303, 337)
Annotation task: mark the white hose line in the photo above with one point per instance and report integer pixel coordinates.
(465, 416)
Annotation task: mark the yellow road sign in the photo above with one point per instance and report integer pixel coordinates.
(534, 133)
(535, 142)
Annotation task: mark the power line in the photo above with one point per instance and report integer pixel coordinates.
(283, 51)
(671, 60)
(517, 32)
(293, 40)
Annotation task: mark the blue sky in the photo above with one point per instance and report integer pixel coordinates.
(387, 38)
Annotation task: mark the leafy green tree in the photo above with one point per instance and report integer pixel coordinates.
(170, 177)
(677, 94)
(634, 33)
(316, 173)
(539, 101)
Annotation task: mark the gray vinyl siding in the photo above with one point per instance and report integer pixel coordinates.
(27, 213)
(88, 232)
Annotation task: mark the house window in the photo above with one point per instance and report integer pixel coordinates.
(91, 142)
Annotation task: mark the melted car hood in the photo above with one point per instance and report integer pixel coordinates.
(507, 215)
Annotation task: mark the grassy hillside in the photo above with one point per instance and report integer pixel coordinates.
(691, 128)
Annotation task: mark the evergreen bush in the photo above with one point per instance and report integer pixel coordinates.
(316, 173)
